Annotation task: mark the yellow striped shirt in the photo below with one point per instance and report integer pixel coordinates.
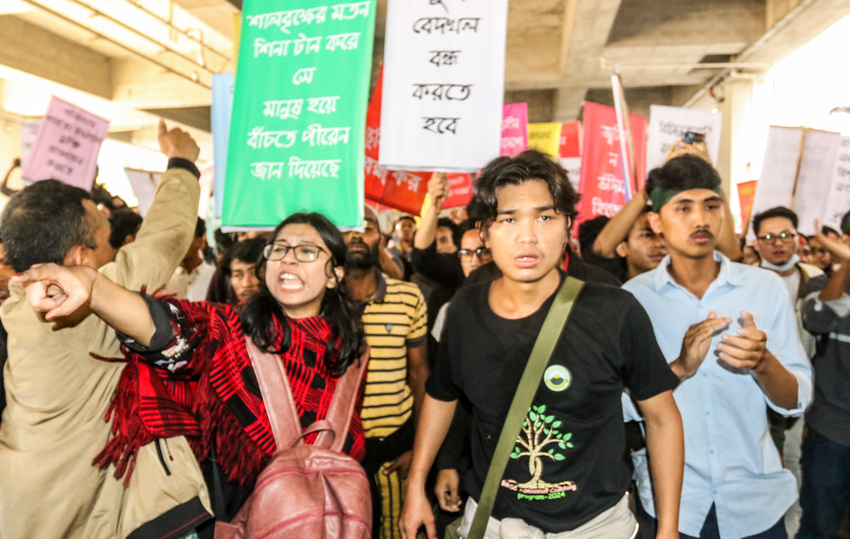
(395, 319)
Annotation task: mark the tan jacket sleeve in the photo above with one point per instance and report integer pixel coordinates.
(164, 237)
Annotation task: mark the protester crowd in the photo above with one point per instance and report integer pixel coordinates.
(693, 384)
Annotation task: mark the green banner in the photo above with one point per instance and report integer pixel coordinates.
(299, 114)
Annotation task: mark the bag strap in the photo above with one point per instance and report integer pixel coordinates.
(280, 406)
(342, 405)
(545, 344)
(277, 396)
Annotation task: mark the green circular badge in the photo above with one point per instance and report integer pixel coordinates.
(557, 378)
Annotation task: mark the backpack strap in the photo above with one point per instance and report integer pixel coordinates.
(280, 406)
(342, 404)
(277, 397)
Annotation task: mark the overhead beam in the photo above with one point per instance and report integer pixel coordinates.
(145, 86)
(587, 42)
(34, 50)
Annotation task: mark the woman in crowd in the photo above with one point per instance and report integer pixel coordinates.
(189, 368)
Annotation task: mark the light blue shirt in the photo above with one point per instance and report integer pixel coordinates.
(730, 458)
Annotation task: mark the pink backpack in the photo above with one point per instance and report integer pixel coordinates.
(306, 490)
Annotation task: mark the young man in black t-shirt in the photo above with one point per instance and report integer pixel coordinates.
(566, 473)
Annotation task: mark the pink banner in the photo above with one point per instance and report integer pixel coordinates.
(66, 145)
(514, 129)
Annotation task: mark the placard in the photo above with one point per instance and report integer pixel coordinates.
(296, 138)
(28, 134)
(602, 185)
(444, 70)
(514, 129)
(144, 184)
(837, 199)
(221, 113)
(66, 146)
(667, 125)
(800, 168)
(402, 190)
(545, 137)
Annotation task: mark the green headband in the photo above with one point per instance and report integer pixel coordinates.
(845, 223)
(660, 196)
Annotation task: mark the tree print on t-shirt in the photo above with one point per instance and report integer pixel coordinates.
(540, 441)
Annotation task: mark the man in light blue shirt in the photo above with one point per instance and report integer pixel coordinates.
(729, 334)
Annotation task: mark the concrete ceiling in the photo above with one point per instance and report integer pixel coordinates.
(151, 58)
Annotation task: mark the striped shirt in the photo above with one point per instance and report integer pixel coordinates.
(394, 320)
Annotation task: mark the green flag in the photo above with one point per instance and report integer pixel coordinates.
(299, 113)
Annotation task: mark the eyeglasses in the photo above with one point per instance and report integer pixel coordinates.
(819, 250)
(466, 255)
(783, 236)
(303, 253)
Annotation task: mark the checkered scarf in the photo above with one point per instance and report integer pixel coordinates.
(202, 386)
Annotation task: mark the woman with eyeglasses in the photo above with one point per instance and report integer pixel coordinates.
(189, 370)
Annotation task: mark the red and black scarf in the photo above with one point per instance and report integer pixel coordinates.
(215, 398)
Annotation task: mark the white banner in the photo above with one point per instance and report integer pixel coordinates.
(573, 167)
(838, 196)
(28, 134)
(144, 184)
(668, 125)
(816, 177)
(819, 193)
(778, 171)
(444, 70)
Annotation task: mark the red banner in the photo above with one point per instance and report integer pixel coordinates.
(570, 140)
(602, 187)
(746, 195)
(402, 190)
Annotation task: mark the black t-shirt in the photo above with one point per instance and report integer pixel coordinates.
(575, 424)
(615, 265)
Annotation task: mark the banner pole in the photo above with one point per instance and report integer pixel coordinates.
(799, 165)
(627, 148)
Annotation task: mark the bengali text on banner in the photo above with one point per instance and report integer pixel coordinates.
(66, 145)
(603, 190)
(514, 129)
(403, 190)
(444, 65)
(296, 137)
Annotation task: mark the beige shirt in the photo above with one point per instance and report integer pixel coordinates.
(58, 394)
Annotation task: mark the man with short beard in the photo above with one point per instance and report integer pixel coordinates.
(395, 322)
(728, 332)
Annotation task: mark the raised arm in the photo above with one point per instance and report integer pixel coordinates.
(59, 291)
(618, 227)
(169, 224)
(438, 189)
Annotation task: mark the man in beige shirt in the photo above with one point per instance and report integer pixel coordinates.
(58, 391)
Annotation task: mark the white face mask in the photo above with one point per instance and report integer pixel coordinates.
(784, 267)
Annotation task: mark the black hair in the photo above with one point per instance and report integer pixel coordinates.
(247, 251)
(123, 223)
(100, 196)
(683, 173)
(829, 230)
(445, 222)
(779, 211)
(222, 241)
(589, 230)
(338, 309)
(200, 228)
(403, 217)
(462, 229)
(44, 221)
(529, 165)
